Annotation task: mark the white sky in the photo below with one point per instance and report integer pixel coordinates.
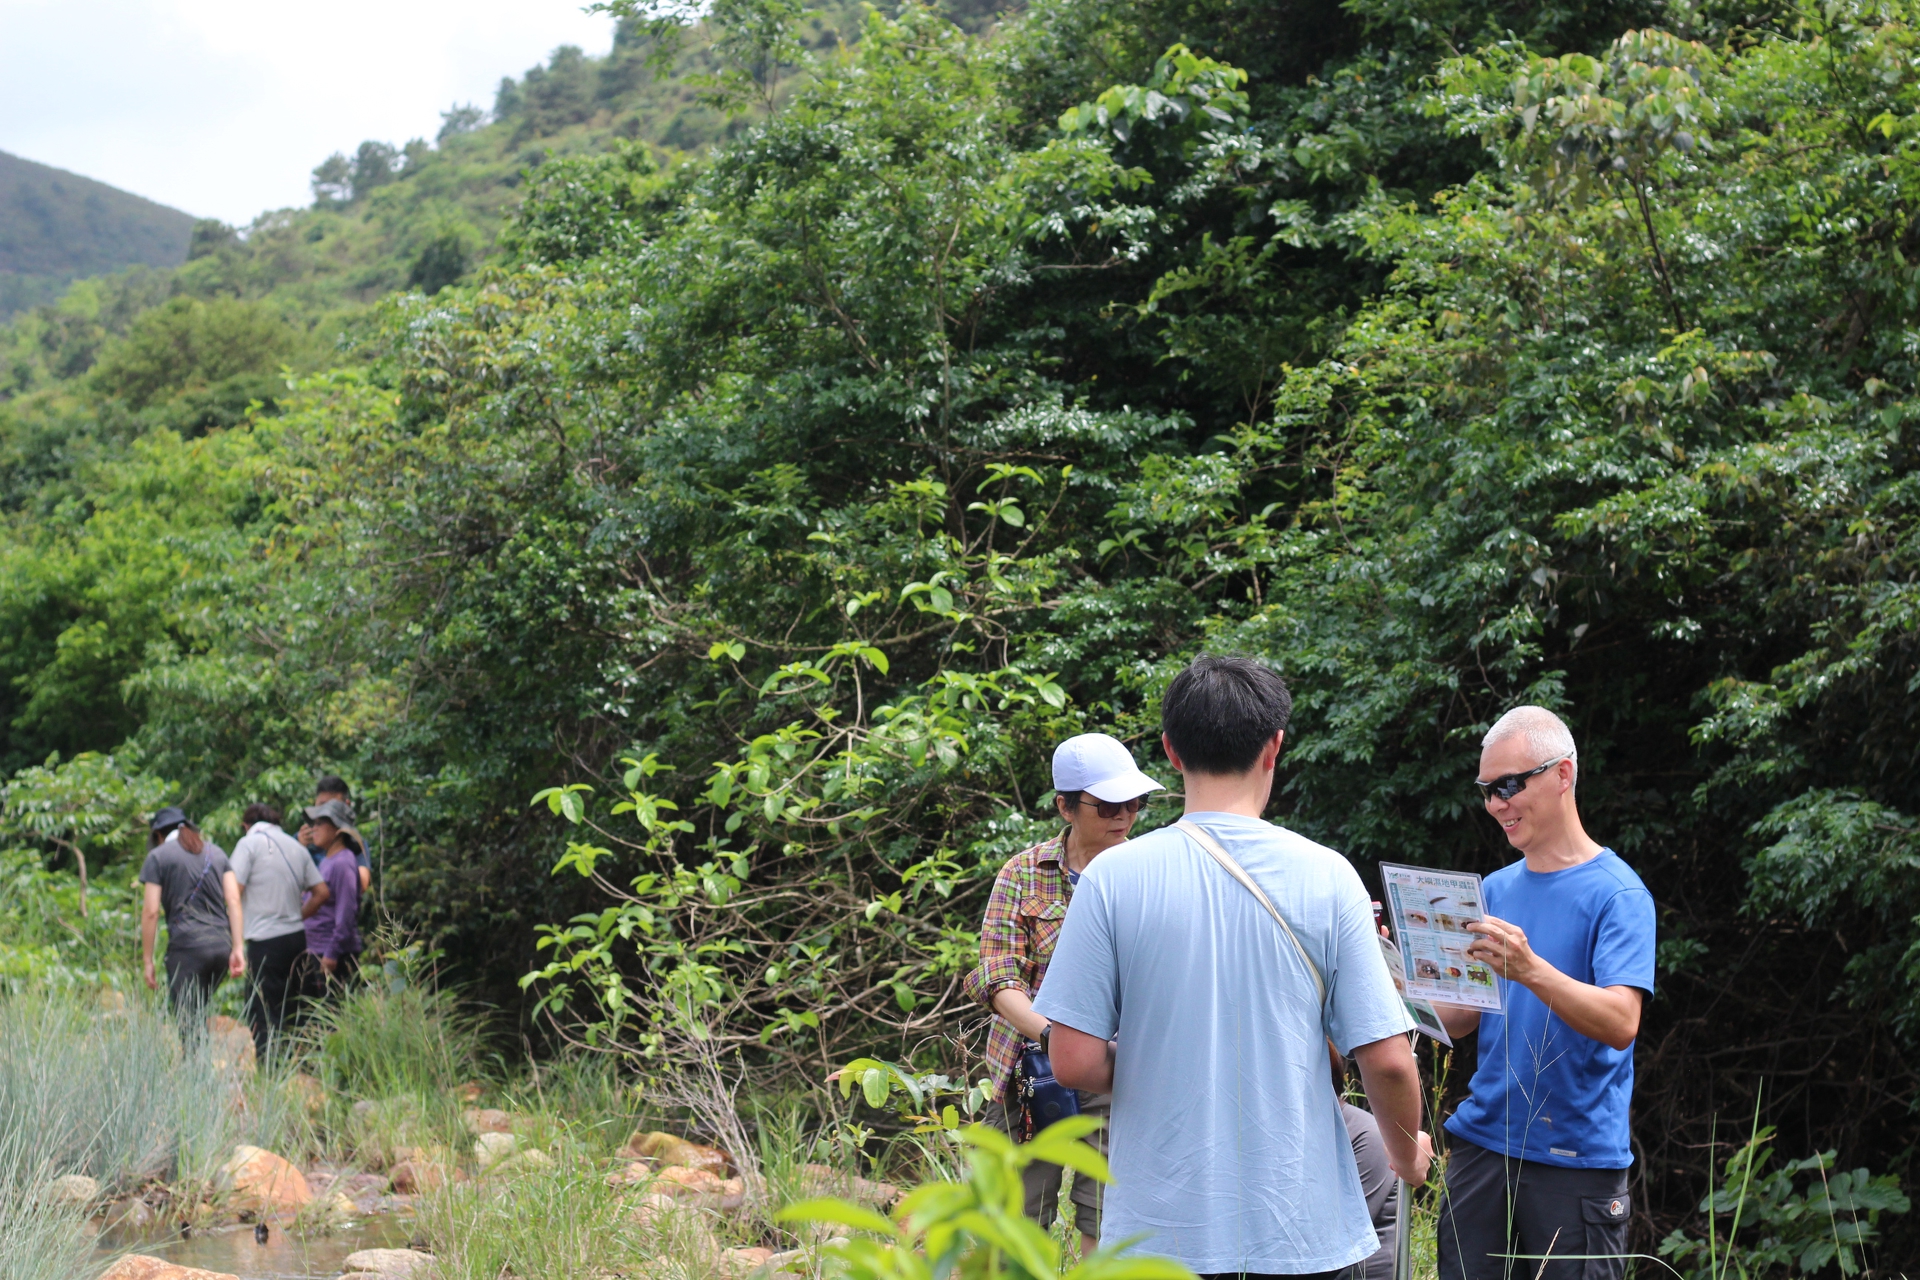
(222, 108)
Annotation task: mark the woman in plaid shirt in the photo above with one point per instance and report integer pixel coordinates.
(1099, 791)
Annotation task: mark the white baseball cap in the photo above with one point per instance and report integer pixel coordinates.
(1101, 766)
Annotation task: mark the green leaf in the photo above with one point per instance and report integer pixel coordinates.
(830, 1210)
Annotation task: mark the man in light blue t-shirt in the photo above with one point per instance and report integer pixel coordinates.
(1538, 1166)
(1173, 988)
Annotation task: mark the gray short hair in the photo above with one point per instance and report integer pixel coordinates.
(1547, 735)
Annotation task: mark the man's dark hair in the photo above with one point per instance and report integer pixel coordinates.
(333, 784)
(259, 812)
(1220, 711)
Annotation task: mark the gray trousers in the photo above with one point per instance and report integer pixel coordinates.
(1041, 1180)
(1495, 1205)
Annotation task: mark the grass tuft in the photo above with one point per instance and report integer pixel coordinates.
(111, 1092)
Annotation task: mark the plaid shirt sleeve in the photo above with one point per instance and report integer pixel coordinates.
(1002, 962)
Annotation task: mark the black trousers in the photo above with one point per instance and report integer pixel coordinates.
(272, 992)
(191, 978)
(1495, 1205)
(310, 979)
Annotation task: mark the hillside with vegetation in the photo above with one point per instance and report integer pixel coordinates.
(57, 227)
(764, 480)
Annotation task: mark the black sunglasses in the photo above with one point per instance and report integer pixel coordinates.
(1111, 809)
(1509, 785)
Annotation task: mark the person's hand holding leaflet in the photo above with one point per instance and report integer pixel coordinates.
(1610, 1015)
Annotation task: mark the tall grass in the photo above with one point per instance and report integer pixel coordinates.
(402, 1047)
(562, 1221)
(382, 1041)
(40, 1239)
(586, 1094)
(113, 1094)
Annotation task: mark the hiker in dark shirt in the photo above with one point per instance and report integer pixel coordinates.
(187, 876)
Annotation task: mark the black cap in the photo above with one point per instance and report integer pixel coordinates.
(168, 818)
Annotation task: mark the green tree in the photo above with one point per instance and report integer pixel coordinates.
(89, 802)
(191, 345)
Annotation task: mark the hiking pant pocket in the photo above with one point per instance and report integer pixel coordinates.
(1606, 1218)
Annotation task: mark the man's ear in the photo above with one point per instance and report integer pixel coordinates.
(1270, 754)
(1173, 757)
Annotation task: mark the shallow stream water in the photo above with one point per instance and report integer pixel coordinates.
(233, 1250)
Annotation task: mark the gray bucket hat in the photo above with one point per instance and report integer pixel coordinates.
(340, 814)
(334, 811)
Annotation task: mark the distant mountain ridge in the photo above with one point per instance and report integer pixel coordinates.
(57, 227)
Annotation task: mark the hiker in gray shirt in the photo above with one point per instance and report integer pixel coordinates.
(187, 875)
(274, 872)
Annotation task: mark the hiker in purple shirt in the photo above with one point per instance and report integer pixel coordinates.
(333, 932)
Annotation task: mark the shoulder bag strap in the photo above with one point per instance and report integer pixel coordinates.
(292, 870)
(1199, 836)
(206, 865)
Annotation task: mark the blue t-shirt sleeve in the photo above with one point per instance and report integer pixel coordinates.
(1082, 986)
(1623, 946)
(1363, 1004)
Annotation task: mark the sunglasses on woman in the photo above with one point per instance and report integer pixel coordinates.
(1509, 785)
(1111, 809)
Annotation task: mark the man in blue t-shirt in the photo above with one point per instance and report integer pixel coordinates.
(1538, 1167)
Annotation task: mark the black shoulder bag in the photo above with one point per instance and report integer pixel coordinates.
(1038, 1098)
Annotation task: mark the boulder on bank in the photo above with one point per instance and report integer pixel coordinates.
(819, 1180)
(416, 1174)
(741, 1262)
(489, 1149)
(231, 1045)
(647, 1209)
(694, 1188)
(487, 1120)
(311, 1094)
(74, 1189)
(140, 1266)
(388, 1264)
(260, 1181)
(666, 1151)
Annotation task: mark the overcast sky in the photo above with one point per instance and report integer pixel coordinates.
(222, 108)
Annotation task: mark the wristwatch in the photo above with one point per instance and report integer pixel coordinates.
(1044, 1033)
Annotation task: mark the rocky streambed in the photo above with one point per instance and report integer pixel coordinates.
(269, 1220)
(239, 1252)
